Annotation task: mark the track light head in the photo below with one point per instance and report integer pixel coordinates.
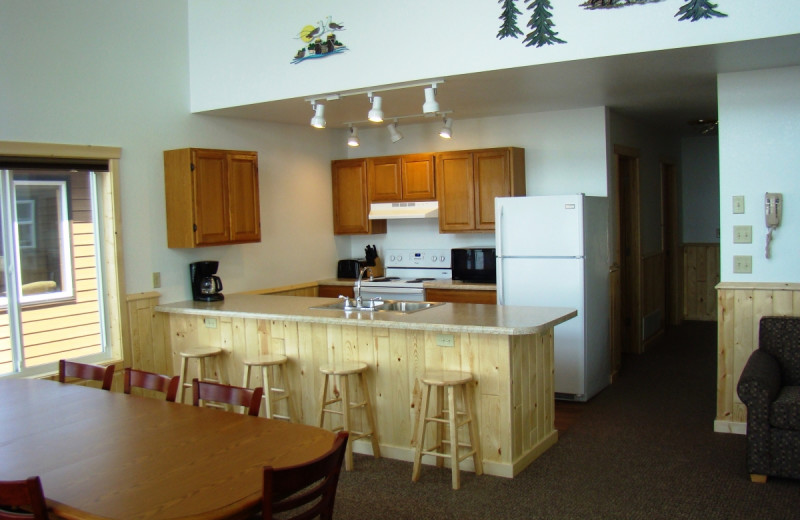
(352, 139)
(376, 113)
(430, 106)
(318, 121)
(447, 130)
(395, 135)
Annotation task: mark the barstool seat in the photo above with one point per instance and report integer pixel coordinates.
(342, 371)
(273, 394)
(450, 416)
(199, 354)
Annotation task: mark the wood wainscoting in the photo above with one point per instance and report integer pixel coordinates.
(700, 277)
(740, 307)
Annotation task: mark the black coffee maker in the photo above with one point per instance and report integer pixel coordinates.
(206, 286)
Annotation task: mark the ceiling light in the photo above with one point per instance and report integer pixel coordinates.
(430, 106)
(318, 121)
(447, 130)
(376, 114)
(396, 136)
(352, 139)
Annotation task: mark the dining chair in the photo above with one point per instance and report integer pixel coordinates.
(86, 371)
(306, 490)
(250, 398)
(150, 381)
(20, 499)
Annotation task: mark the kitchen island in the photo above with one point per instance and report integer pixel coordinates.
(509, 350)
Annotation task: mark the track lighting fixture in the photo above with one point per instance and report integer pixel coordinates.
(376, 114)
(352, 139)
(430, 106)
(447, 130)
(318, 121)
(395, 135)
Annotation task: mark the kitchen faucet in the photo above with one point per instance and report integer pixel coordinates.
(357, 289)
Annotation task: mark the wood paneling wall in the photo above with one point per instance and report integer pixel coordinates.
(700, 277)
(740, 306)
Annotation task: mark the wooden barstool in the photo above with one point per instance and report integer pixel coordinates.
(273, 394)
(453, 418)
(342, 372)
(199, 354)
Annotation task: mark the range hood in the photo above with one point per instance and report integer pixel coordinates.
(395, 210)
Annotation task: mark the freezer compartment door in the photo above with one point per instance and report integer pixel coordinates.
(539, 226)
(551, 282)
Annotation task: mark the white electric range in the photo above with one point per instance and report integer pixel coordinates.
(405, 270)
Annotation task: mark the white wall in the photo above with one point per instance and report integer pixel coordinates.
(242, 49)
(116, 74)
(565, 152)
(759, 115)
(700, 189)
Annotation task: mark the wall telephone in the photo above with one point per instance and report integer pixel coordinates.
(773, 210)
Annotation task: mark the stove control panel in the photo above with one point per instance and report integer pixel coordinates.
(417, 258)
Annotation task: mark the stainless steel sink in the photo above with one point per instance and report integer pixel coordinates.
(403, 307)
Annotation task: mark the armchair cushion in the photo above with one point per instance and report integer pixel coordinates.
(784, 412)
(780, 336)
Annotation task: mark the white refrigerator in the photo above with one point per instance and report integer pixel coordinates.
(553, 251)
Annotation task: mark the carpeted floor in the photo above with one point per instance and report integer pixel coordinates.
(643, 448)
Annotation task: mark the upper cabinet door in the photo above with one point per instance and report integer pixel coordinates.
(211, 205)
(418, 177)
(350, 199)
(491, 181)
(384, 181)
(245, 213)
(454, 178)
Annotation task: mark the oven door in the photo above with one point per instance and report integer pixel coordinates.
(409, 294)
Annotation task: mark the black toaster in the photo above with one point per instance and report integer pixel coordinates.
(349, 268)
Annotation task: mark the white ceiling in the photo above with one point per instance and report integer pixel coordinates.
(665, 88)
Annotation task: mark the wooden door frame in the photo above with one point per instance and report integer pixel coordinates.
(671, 243)
(634, 275)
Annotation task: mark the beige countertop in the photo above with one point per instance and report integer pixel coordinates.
(448, 317)
(434, 284)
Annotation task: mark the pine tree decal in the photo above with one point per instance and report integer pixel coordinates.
(696, 9)
(541, 24)
(509, 18)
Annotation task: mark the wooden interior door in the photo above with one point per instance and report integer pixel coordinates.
(628, 248)
(673, 269)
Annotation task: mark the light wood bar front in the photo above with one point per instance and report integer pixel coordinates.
(508, 349)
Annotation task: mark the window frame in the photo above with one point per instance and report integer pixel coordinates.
(114, 318)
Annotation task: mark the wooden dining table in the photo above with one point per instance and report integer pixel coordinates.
(105, 455)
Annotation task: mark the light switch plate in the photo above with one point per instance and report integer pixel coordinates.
(738, 203)
(742, 234)
(156, 280)
(743, 264)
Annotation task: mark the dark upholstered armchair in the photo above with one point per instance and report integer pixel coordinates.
(770, 387)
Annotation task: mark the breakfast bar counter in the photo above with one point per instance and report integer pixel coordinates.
(509, 350)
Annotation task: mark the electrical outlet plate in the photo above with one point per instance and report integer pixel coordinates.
(445, 340)
(738, 204)
(211, 323)
(743, 264)
(742, 234)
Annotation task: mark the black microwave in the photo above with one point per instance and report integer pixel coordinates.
(474, 264)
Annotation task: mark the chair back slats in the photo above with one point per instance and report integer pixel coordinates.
(86, 371)
(151, 381)
(250, 398)
(306, 490)
(22, 499)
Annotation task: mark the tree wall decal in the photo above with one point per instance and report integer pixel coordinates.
(541, 24)
(509, 18)
(696, 9)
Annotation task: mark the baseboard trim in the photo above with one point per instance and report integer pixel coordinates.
(738, 428)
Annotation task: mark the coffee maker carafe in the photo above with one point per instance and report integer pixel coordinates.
(206, 286)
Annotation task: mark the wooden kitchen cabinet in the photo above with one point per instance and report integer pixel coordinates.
(461, 296)
(351, 199)
(334, 291)
(469, 181)
(401, 178)
(212, 197)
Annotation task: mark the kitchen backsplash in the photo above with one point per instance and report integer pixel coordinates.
(412, 233)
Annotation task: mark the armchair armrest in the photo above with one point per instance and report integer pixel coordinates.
(760, 381)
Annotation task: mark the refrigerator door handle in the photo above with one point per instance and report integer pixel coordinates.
(499, 246)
